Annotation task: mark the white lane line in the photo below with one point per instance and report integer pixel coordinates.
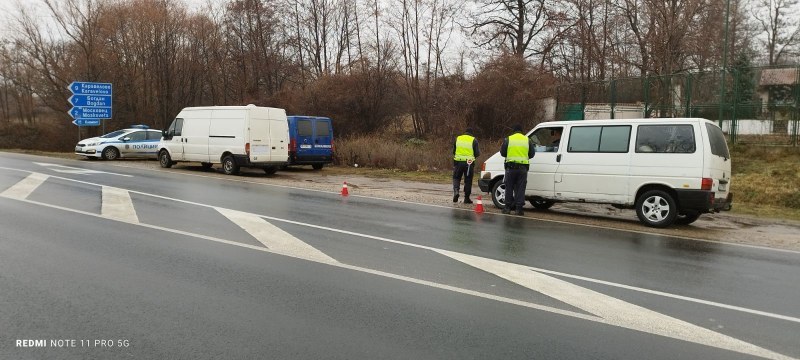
(117, 205)
(563, 222)
(612, 310)
(432, 284)
(25, 187)
(668, 295)
(273, 237)
(73, 170)
(748, 246)
(373, 237)
(609, 310)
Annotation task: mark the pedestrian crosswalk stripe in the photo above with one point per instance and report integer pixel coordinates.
(117, 205)
(25, 187)
(273, 237)
(613, 311)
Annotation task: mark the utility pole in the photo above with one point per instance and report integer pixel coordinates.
(724, 63)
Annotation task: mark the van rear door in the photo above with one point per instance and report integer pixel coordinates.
(305, 137)
(322, 137)
(717, 161)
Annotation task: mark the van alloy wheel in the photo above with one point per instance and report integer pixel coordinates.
(229, 166)
(499, 194)
(656, 208)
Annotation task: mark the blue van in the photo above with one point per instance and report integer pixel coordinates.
(310, 141)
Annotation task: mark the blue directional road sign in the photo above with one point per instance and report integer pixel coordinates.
(90, 88)
(90, 100)
(87, 112)
(86, 122)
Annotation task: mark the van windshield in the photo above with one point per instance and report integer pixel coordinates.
(717, 139)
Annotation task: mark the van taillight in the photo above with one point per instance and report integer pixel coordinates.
(292, 145)
(483, 167)
(333, 148)
(706, 184)
(247, 149)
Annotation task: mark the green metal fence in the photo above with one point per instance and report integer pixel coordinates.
(752, 105)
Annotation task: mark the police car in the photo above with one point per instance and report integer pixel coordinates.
(136, 141)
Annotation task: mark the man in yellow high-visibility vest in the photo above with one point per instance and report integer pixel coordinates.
(518, 149)
(465, 150)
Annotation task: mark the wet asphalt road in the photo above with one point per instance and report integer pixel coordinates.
(67, 274)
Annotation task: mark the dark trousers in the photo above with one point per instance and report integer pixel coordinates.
(461, 169)
(516, 180)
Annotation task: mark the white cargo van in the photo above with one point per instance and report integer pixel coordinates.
(668, 170)
(234, 136)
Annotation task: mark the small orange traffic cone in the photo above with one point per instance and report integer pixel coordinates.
(479, 205)
(344, 189)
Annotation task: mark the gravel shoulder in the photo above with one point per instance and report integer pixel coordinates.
(722, 227)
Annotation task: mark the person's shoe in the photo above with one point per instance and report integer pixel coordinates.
(519, 213)
(455, 197)
(467, 200)
(506, 211)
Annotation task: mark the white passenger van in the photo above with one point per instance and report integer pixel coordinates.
(234, 136)
(668, 170)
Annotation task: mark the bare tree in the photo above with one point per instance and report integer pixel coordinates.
(780, 32)
(423, 28)
(524, 28)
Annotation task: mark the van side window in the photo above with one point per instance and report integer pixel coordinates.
(176, 127)
(322, 128)
(717, 141)
(602, 139)
(304, 128)
(665, 139)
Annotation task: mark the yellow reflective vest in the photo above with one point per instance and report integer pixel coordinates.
(464, 151)
(518, 149)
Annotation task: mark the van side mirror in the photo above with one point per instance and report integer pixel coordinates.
(166, 135)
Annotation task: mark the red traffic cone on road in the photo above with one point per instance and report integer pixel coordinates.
(479, 205)
(344, 189)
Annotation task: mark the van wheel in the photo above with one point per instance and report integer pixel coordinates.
(164, 159)
(542, 204)
(656, 208)
(271, 170)
(499, 194)
(688, 218)
(206, 165)
(229, 166)
(317, 166)
(110, 153)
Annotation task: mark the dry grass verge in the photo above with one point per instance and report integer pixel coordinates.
(766, 177)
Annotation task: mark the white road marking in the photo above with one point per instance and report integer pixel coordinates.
(25, 187)
(574, 289)
(603, 227)
(74, 170)
(612, 310)
(373, 237)
(668, 295)
(273, 237)
(526, 304)
(117, 205)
